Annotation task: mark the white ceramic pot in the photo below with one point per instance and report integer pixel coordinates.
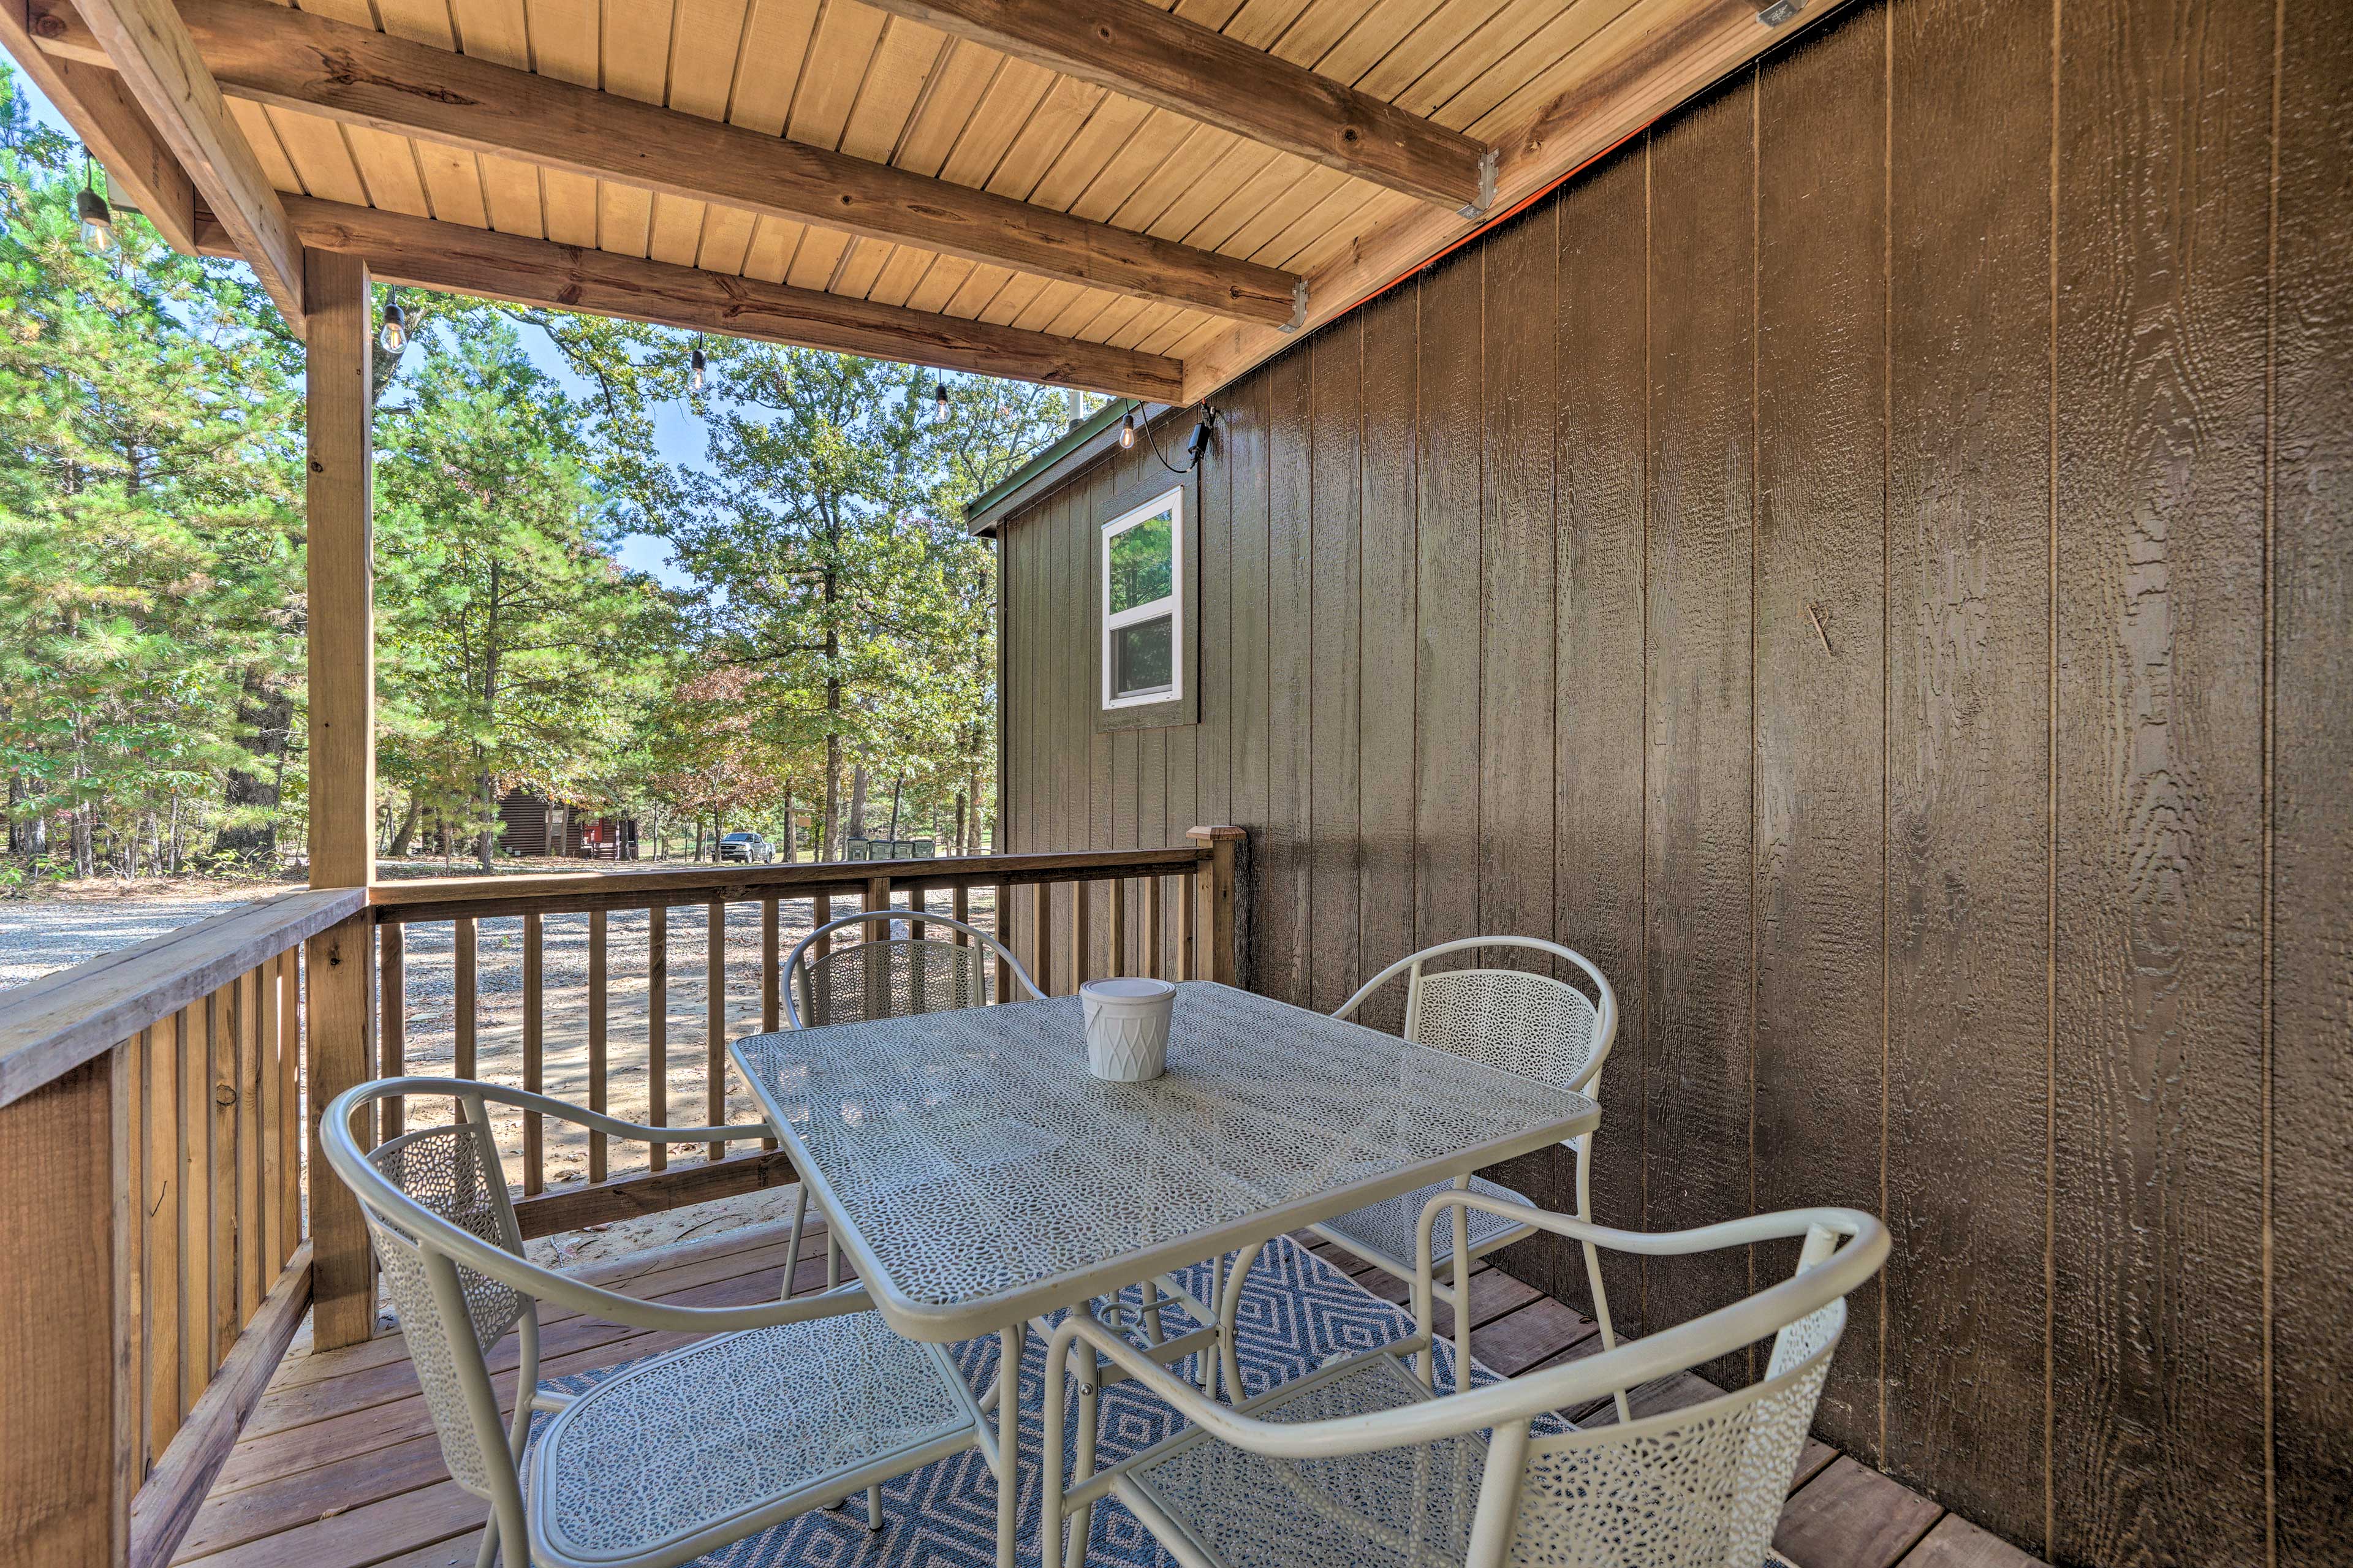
(1127, 1027)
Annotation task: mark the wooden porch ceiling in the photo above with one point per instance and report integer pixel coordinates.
(1111, 194)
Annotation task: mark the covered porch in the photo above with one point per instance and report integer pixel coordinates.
(1836, 512)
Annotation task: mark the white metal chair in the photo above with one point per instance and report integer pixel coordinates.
(1528, 1024)
(789, 1406)
(885, 977)
(1358, 1464)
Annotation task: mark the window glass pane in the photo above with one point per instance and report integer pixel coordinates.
(1144, 657)
(1141, 563)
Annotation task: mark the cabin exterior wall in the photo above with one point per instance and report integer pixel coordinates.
(1867, 564)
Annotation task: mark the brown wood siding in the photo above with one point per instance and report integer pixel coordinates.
(1869, 564)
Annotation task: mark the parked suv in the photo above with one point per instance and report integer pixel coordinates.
(748, 847)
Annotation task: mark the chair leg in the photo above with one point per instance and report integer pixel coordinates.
(1461, 1278)
(832, 1260)
(873, 1507)
(1228, 1309)
(1151, 1312)
(1583, 1148)
(488, 1554)
(1013, 1341)
(793, 1253)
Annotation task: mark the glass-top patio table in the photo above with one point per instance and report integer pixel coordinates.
(978, 1176)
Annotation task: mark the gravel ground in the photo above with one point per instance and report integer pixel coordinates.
(37, 937)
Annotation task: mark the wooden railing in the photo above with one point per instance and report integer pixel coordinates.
(152, 1256)
(165, 1222)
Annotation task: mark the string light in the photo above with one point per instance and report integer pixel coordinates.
(696, 367)
(1127, 430)
(940, 400)
(395, 335)
(97, 218)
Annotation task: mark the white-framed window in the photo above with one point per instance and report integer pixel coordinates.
(1143, 602)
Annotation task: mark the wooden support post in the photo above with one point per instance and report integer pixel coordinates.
(1215, 899)
(1155, 929)
(1080, 952)
(343, 1011)
(1119, 926)
(534, 1049)
(462, 940)
(342, 620)
(392, 1028)
(876, 964)
(1041, 936)
(658, 1030)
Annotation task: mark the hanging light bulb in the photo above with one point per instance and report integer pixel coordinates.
(939, 400)
(696, 369)
(395, 335)
(97, 218)
(1127, 430)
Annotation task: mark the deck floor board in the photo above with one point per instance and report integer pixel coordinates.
(331, 1484)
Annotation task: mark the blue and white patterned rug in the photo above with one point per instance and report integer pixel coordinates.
(1297, 1313)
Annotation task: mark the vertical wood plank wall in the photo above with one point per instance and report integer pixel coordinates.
(1872, 564)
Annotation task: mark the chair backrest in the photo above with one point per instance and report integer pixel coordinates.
(891, 977)
(450, 1315)
(1514, 1019)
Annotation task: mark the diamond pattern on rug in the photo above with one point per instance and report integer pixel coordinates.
(1297, 1313)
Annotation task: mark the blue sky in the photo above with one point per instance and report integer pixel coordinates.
(678, 434)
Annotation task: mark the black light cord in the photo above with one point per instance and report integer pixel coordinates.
(1208, 415)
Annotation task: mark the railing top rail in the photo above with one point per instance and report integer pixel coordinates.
(53, 1024)
(441, 897)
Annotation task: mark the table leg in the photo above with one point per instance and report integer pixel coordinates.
(1082, 1521)
(1012, 1342)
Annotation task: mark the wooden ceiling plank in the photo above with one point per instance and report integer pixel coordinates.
(510, 190)
(563, 40)
(677, 234)
(776, 44)
(902, 274)
(635, 46)
(860, 267)
(262, 137)
(1136, 48)
(707, 36)
(949, 99)
(453, 183)
(819, 257)
(1204, 148)
(1068, 109)
(1011, 99)
(726, 239)
(1019, 292)
(322, 158)
(421, 253)
(113, 125)
(973, 295)
(842, 52)
(903, 64)
(420, 21)
(149, 46)
(941, 280)
(1636, 69)
(1156, 140)
(1115, 121)
(288, 58)
(387, 170)
(1436, 34)
(1213, 190)
(568, 202)
(1249, 199)
(498, 31)
(1051, 302)
(625, 218)
(1260, 24)
(1544, 50)
(1368, 41)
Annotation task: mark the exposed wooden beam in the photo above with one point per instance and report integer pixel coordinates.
(146, 42)
(1147, 53)
(272, 53)
(1657, 62)
(421, 251)
(113, 127)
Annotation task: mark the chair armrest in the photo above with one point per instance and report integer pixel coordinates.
(467, 1088)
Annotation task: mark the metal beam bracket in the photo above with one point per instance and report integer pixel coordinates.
(1487, 178)
(1298, 308)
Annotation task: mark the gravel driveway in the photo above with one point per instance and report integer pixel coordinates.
(38, 937)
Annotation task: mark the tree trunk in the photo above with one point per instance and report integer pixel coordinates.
(400, 840)
(792, 849)
(959, 839)
(896, 786)
(858, 802)
(828, 847)
(264, 720)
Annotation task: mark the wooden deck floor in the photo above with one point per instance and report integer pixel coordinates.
(339, 1468)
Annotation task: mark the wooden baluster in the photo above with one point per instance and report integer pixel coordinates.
(220, 1171)
(657, 1029)
(1155, 934)
(1118, 926)
(771, 977)
(961, 907)
(253, 1273)
(715, 1029)
(1080, 945)
(1188, 952)
(159, 1209)
(273, 1116)
(770, 1010)
(596, 1058)
(1041, 936)
(1005, 934)
(462, 938)
(128, 1070)
(919, 973)
(290, 1091)
(535, 1051)
(392, 1029)
(876, 964)
(821, 912)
